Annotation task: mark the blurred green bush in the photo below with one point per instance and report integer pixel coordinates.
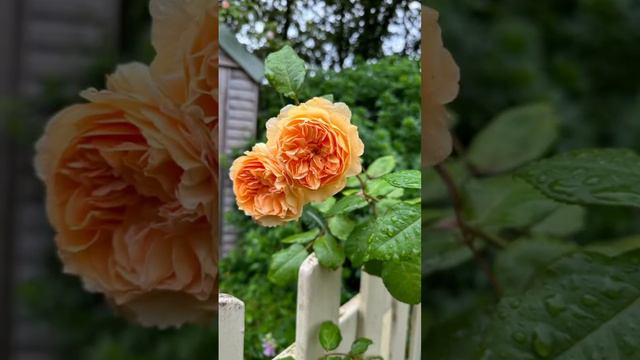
(581, 55)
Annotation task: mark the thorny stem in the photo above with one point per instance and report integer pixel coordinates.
(370, 199)
(468, 233)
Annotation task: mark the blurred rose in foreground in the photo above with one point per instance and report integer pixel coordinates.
(131, 179)
(440, 77)
(185, 37)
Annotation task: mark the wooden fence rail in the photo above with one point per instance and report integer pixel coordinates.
(394, 327)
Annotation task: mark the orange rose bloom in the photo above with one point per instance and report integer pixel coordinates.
(262, 188)
(440, 77)
(132, 195)
(317, 145)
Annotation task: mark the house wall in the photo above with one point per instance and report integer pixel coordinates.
(239, 116)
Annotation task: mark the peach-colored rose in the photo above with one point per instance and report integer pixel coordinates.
(263, 189)
(440, 77)
(185, 36)
(132, 196)
(317, 146)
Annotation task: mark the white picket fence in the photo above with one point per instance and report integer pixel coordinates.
(393, 326)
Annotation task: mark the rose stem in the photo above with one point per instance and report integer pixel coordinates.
(467, 233)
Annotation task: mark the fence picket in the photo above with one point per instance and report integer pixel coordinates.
(348, 323)
(231, 328)
(415, 340)
(375, 306)
(318, 301)
(399, 330)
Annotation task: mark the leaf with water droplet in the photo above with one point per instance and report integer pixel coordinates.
(567, 312)
(523, 258)
(500, 203)
(403, 279)
(542, 342)
(589, 300)
(519, 337)
(554, 304)
(588, 177)
(397, 233)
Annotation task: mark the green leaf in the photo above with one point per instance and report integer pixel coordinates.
(330, 254)
(403, 279)
(397, 234)
(302, 238)
(398, 193)
(384, 205)
(347, 192)
(360, 346)
(352, 181)
(505, 203)
(516, 265)
(588, 177)
(325, 206)
(615, 247)
(408, 179)
(357, 245)
(381, 166)
(347, 204)
(285, 71)
(583, 306)
(515, 137)
(460, 318)
(341, 226)
(379, 187)
(444, 249)
(285, 263)
(564, 221)
(374, 267)
(330, 336)
(328, 97)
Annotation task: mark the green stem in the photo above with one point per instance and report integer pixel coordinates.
(314, 215)
(370, 199)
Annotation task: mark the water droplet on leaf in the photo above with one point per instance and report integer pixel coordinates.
(514, 304)
(593, 180)
(589, 300)
(554, 304)
(519, 337)
(542, 342)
